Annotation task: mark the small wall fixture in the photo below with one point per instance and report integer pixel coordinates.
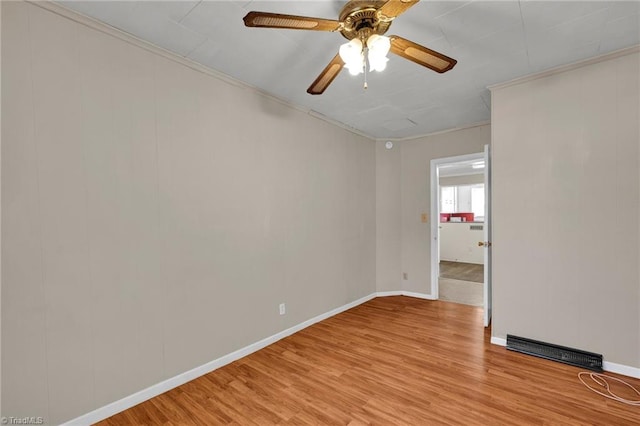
(388, 145)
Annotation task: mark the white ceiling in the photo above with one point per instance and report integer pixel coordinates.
(493, 41)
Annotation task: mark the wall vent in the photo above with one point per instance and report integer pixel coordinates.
(576, 357)
(475, 227)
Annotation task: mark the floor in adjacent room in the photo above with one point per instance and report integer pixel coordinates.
(462, 271)
(392, 360)
(461, 283)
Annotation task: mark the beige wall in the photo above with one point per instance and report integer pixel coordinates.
(0, 214)
(146, 205)
(154, 216)
(388, 224)
(566, 160)
(415, 196)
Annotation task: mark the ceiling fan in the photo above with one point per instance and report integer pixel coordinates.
(364, 23)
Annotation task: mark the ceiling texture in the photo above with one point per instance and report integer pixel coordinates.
(493, 42)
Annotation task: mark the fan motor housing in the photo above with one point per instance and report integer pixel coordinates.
(361, 18)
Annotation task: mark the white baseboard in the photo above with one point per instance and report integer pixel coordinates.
(388, 293)
(621, 369)
(498, 341)
(405, 293)
(606, 366)
(166, 385)
(418, 295)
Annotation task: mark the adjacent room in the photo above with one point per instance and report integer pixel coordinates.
(319, 212)
(461, 187)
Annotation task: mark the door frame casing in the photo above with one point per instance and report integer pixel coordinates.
(435, 212)
(487, 286)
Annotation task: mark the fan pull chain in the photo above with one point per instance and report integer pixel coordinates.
(366, 60)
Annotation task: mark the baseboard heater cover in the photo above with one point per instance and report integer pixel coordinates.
(576, 357)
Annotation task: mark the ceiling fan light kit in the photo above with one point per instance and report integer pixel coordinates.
(352, 55)
(378, 47)
(363, 23)
(355, 54)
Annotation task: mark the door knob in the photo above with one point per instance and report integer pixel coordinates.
(484, 243)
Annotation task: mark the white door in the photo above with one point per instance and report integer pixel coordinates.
(487, 236)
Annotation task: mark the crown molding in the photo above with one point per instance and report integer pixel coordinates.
(439, 132)
(569, 67)
(94, 24)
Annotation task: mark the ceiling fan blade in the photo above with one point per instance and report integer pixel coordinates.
(421, 55)
(393, 8)
(277, 20)
(327, 75)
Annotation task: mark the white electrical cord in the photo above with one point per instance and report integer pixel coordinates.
(601, 379)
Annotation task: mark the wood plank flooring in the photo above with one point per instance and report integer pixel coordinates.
(392, 360)
(462, 271)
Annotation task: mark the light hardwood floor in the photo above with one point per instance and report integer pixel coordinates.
(393, 360)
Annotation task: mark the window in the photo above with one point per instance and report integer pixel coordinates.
(477, 202)
(448, 199)
(463, 199)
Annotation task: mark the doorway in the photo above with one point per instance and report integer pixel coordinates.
(460, 208)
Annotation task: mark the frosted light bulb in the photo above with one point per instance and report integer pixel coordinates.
(354, 69)
(351, 53)
(377, 63)
(379, 44)
(378, 47)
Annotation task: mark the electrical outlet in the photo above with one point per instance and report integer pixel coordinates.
(405, 276)
(283, 309)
